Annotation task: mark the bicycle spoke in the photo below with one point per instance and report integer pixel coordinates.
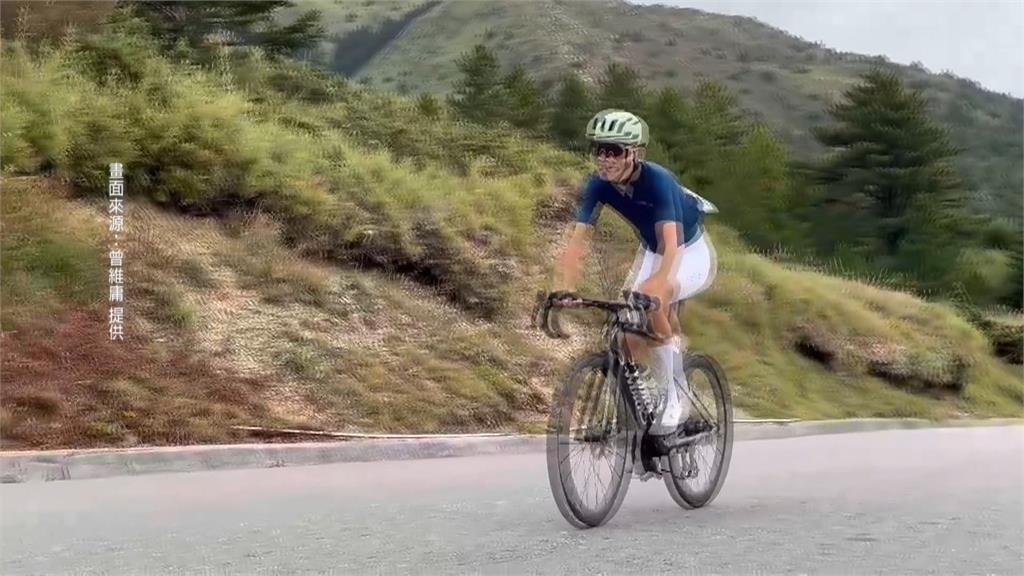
(586, 485)
(612, 467)
(594, 492)
(695, 400)
(574, 466)
(564, 458)
(594, 481)
(708, 469)
(597, 473)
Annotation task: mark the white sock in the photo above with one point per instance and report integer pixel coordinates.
(676, 406)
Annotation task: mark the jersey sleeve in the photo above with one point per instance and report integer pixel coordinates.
(588, 205)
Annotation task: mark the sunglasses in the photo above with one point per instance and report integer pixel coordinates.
(607, 149)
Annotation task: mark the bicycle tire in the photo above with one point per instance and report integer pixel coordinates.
(682, 493)
(560, 467)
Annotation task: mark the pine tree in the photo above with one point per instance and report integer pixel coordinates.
(667, 115)
(570, 111)
(889, 187)
(428, 105)
(479, 95)
(710, 128)
(752, 187)
(526, 103)
(620, 87)
(716, 116)
(244, 22)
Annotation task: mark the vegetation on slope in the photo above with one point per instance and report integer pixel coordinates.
(305, 252)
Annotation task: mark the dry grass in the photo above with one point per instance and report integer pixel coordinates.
(65, 384)
(338, 348)
(51, 250)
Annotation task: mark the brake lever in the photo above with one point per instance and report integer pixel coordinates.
(554, 323)
(538, 317)
(546, 318)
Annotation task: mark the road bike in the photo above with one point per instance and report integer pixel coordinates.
(602, 411)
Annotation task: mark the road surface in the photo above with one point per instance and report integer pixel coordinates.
(936, 501)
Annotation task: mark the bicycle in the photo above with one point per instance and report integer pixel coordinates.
(608, 414)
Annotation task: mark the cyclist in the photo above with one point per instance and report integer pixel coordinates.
(675, 260)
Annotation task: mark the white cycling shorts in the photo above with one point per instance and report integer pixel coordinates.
(693, 273)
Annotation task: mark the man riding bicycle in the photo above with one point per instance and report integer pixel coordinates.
(675, 260)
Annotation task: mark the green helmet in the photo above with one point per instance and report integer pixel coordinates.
(619, 127)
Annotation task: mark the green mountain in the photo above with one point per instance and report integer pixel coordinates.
(787, 82)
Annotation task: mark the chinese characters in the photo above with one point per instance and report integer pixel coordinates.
(116, 274)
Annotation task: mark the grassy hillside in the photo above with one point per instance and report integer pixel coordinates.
(227, 326)
(356, 31)
(782, 79)
(297, 256)
(343, 16)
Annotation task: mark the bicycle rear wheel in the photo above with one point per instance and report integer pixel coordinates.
(697, 471)
(589, 445)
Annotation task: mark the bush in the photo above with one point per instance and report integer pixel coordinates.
(1002, 234)
(1006, 333)
(16, 152)
(982, 274)
(35, 124)
(299, 82)
(50, 256)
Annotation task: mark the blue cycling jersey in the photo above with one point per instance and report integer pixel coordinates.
(653, 196)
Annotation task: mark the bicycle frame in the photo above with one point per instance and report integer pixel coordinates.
(624, 317)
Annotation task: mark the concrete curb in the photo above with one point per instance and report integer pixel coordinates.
(822, 427)
(36, 466)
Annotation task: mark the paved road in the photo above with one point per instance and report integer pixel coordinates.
(946, 501)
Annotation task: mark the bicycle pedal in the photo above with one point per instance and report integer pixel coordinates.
(645, 464)
(651, 468)
(651, 462)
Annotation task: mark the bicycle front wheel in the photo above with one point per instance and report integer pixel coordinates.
(698, 470)
(589, 444)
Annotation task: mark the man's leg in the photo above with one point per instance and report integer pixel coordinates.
(659, 356)
(640, 347)
(677, 328)
(654, 355)
(675, 406)
(694, 278)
